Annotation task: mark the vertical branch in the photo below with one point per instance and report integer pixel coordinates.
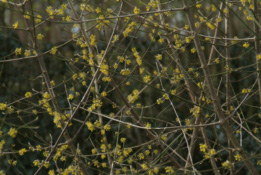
(228, 130)
(215, 35)
(257, 47)
(191, 94)
(212, 160)
(228, 98)
(53, 99)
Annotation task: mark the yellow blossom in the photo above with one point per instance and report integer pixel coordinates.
(210, 25)
(46, 95)
(46, 164)
(202, 147)
(104, 165)
(225, 10)
(146, 78)
(169, 169)
(227, 164)
(141, 156)
(195, 111)
(136, 10)
(28, 94)
(27, 15)
(2, 142)
(3, 106)
(198, 5)
(164, 137)
(258, 57)
(212, 152)
(217, 60)
(161, 40)
(123, 139)
(53, 50)
(27, 53)
(125, 71)
(144, 166)
(38, 147)
(104, 69)
(107, 127)
(51, 172)
(197, 24)
(237, 157)
(12, 132)
(246, 45)
(15, 25)
(40, 36)
(148, 125)
(173, 92)
(245, 91)
(158, 57)
(160, 101)
(38, 19)
(94, 151)
(93, 40)
(255, 130)
(18, 51)
(98, 10)
(193, 50)
(166, 96)
(90, 126)
(22, 151)
(70, 97)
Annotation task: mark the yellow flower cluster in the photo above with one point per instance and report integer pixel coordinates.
(101, 22)
(54, 50)
(129, 29)
(133, 96)
(104, 68)
(246, 45)
(27, 53)
(195, 111)
(22, 151)
(3, 106)
(15, 25)
(125, 71)
(227, 164)
(146, 78)
(160, 101)
(169, 170)
(210, 25)
(2, 142)
(137, 56)
(245, 91)
(158, 57)
(18, 51)
(136, 10)
(90, 126)
(12, 132)
(40, 36)
(258, 57)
